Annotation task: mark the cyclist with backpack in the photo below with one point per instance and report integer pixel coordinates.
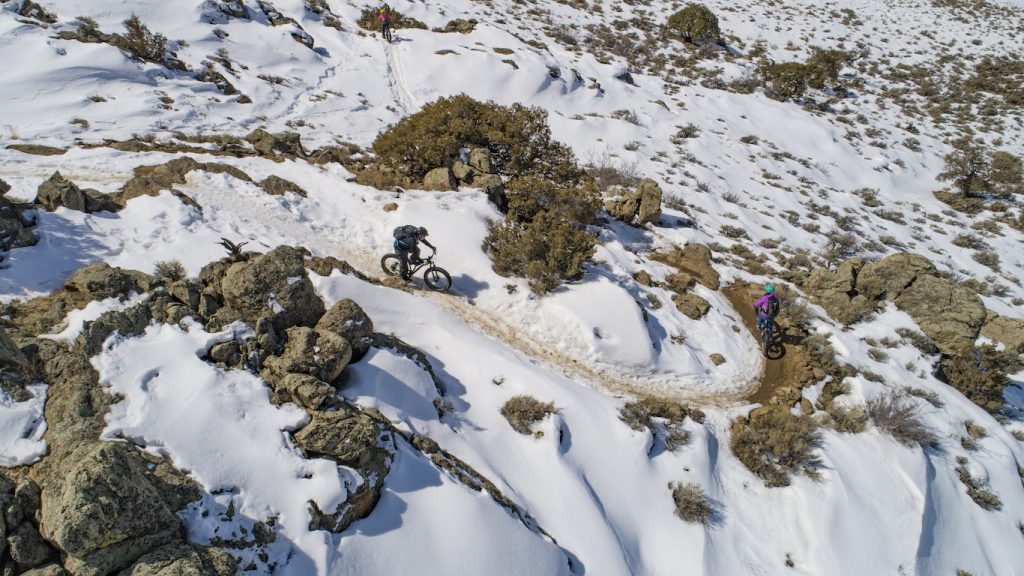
(385, 22)
(407, 239)
(766, 308)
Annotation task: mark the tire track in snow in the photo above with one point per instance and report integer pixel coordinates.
(396, 80)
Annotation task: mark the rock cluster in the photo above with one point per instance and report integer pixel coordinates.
(693, 265)
(475, 170)
(948, 313)
(642, 206)
(15, 227)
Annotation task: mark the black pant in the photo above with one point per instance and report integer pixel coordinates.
(385, 30)
(404, 256)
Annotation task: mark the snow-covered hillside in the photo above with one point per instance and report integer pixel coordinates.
(770, 186)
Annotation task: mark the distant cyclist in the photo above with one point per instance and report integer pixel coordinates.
(767, 308)
(385, 22)
(407, 239)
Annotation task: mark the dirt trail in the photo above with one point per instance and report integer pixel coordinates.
(788, 363)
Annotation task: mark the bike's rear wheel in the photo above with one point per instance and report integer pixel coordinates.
(437, 279)
(391, 264)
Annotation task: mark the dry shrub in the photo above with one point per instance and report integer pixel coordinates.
(169, 270)
(523, 411)
(644, 414)
(981, 375)
(368, 20)
(848, 420)
(976, 488)
(691, 504)
(894, 413)
(775, 444)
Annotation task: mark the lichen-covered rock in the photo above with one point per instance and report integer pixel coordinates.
(1009, 331)
(649, 194)
(887, 278)
(691, 305)
(347, 437)
(126, 322)
(695, 260)
(480, 160)
(48, 570)
(322, 354)
(151, 180)
(183, 560)
(101, 281)
(11, 356)
(276, 285)
(14, 227)
(57, 191)
(307, 391)
(950, 314)
(27, 548)
(440, 180)
(103, 513)
(680, 282)
(348, 320)
(463, 172)
(277, 186)
(288, 144)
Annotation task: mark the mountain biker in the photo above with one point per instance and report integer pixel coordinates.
(407, 239)
(766, 307)
(385, 21)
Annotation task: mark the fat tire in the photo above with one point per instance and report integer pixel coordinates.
(391, 264)
(437, 279)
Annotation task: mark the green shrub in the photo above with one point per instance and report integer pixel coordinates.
(691, 504)
(786, 80)
(368, 20)
(981, 375)
(547, 250)
(826, 65)
(1006, 174)
(139, 41)
(775, 444)
(524, 411)
(968, 167)
(894, 413)
(695, 23)
(517, 136)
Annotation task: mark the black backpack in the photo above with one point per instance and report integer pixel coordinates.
(773, 306)
(406, 236)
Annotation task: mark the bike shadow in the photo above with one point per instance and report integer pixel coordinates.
(467, 286)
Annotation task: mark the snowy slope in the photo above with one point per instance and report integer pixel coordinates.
(597, 488)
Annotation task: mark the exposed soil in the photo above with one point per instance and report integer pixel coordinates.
(788, 363)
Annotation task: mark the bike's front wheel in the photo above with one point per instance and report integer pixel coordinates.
(391, 264)
(437, 279)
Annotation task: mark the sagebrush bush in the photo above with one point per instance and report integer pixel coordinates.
(976, 488)
(544, 237)
(641, 414)
(967, 167)
(368, 20)
(169, 270)
(981, 375)
(775, 444)
(848, 420)
(1006, 173)
(695, 23)
(894, 413)
(524, 411)
(517, 136)
(786, 80)
(691, 504)
(139, 41)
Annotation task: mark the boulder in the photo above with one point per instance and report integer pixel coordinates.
(649, 195)
(57, 191)
(151, 180)
(346, 436)
(842, 281)
(307, 391)
(182, 559)
(695, 260)
(11, 356)
(27, 548)
(717, 359)
(887, 278)
(440, 180)
(101, 511)
(692, 305)
(642, 278)
(227, 353)
(348, 320)
(126, 322)
(480, 160)
(288, 144)
(277, 186)
(1009, 331)
(48, 570)
(680, 282)
(322, 354)
(186, 292)
(494, 187)
(101, 280)
(950, 314)
(14, 227)
(276, 285)
(463, 172)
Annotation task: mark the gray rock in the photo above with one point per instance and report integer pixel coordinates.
(307, 391)
(48, 570)
(649, 194)
(227, 353)
(462, 172)
(440, 180)
(186, 292)
(10, 355)
(101, 281)
(322, 354)
(287, 144)
(14, 226)
(151, 180)
(1009, 331)
(273, 284)
(887, 278)
(209, 304)
(480, 160)
(126, 322)
(950, 314)
(27, 547)
(494, 187)
(692, 305)
(277, 186)
(102, 512)
(221, 318)
(348, 320)
(58, 191)
(183, 560)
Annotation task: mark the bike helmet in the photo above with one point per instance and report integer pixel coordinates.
(421, 231)
(768, 288)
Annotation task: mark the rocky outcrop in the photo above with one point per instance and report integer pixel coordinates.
(950, 314)
(277, 186)
(58, 191)
(273, 285)
(1009, 331)
(643, 205)
(278, 147)
(692, 305)
(180, 559)
(14, 226)
(318, 354)
(101, 280)
(440, 180)
(695, 260)
(348, 320)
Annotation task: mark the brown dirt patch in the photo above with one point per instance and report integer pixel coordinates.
(789, 364)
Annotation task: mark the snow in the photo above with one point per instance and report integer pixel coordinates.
(22, 427)
(597, 487)
(76, 319)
